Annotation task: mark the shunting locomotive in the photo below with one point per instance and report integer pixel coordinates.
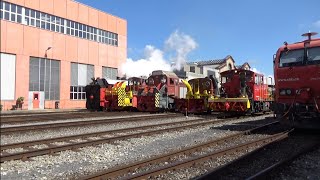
(242, 91)
(118, 96)
(199, 91)
(297, 82)
(159, 94)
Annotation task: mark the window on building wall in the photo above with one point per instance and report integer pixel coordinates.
(229, 66)
(109, 73)
(201, 70)
(192, 69)
(209, 72)
(81, 75)
(44, 75)
(13, 12)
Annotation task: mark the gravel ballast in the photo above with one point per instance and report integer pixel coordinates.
(304, 167)
(72, 164)
(45, 134)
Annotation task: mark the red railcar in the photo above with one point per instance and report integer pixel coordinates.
(242, 91)
(297, 82)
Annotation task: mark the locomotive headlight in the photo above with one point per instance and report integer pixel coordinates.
(282, 92)
(288, 91)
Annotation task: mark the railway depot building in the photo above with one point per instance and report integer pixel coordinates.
(50, 50)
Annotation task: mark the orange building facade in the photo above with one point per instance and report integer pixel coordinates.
(50, 49)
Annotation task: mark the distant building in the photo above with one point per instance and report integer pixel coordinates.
(206, 68)
(245, 66)
(199, 69)
(50, 50)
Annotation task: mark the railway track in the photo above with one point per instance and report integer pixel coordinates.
(155, 167)
(73, 143)
(264, 163)
(54, 116)
(102, 120)
(51, 148)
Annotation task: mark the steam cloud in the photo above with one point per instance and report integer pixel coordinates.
(178, 43)
(182, 44)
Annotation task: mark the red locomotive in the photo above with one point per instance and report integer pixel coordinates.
(297, 80)
(95, 94)
(121, 95)
(242, 91)
(160, 93)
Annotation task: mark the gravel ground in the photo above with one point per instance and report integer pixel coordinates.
(192, 172)
(37, 135)
(305, 167)
(71, 164)
(199, 169)
(271, 154)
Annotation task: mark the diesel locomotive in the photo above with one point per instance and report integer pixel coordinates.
(242, 92)
(297, 83)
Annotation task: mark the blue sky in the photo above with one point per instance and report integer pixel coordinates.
(248, 30)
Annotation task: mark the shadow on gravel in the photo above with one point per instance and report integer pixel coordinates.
(242, 126)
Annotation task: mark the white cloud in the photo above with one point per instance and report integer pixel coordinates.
(316, 24)
(255, 70)
(143, 67)
(179, 43)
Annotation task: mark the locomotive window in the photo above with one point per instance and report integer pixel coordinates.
(151, 81)
(256, 79)
(249, 77)
(314, 55)
(171, 81)
(223, 79)
(291, 58)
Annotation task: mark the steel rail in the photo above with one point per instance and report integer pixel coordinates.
(16, 129)
(116, 172)
(54, 148)
(57, 116)
(198, 160)
(87, 135)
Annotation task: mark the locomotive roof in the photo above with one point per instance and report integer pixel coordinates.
(240, 70)
(135, 78)
(211, 62)
(167, 73)
(300, 44)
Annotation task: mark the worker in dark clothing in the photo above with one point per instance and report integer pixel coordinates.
(215, 84)
(243, 84)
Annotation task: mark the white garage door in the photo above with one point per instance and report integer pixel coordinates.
(8, 76)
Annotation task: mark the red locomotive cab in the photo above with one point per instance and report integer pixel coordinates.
(242, 91)
(297, 82)
(136, 83)
(160, 92)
